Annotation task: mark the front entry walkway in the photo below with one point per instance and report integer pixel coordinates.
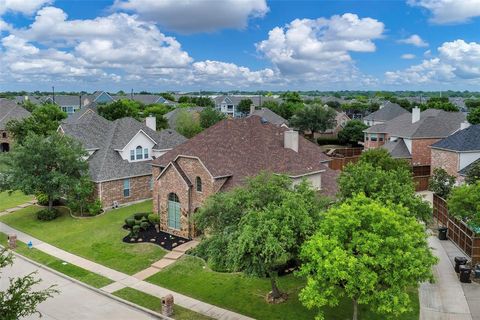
(122, 280)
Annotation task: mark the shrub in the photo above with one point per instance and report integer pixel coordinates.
(47, 215)
(144, 225)
(94, 208)
(135, 231)
(140, 215)
(130, 222)
(42, 200)
(153, 218)
(325, 141)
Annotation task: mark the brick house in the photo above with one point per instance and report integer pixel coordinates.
(410, 136)
(120, 154)
(222, 157)
(9, 110)
(456, 153)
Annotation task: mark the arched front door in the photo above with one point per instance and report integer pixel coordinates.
(4, 147)
(173, 211)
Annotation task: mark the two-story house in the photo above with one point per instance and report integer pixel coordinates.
(120, 154)
(387, 111)
(222, 157)
(9, 110)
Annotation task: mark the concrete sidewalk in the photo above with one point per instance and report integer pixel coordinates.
(123, 280)
(445, 299)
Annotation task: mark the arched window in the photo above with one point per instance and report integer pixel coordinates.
(173, 211)
(198, 184)
(139, 152)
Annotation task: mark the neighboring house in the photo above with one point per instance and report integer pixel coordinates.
(229, 104)
(386, 112)
(269, 116)
(120, 154)
(145, 99)
(410, 136)
(222, 157)
(172, 115)
(341, 120)
(457, 152)
(9, 110)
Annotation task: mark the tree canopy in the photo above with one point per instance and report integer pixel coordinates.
(49, 165)
(209, 116)
(352, 133)
(441, 182)
(369, 252)
(473, 173)
(464, 203)
(188, 123)
(120, 109)
(158, 110)
(43, 121)
(474, 116)
(314, 118)
(472, 104)
(441, 103)
(244, 106)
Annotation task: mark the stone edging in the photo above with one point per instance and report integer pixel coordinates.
(109, 295)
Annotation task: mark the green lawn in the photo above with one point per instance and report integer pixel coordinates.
(75, 272)
(98, 239)
(246, 295)
(153, 303)
(8, 201)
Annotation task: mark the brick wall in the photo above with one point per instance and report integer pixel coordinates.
(5, 138)
(421, 151)
(369, 144)
(446, 160)
(110, 191)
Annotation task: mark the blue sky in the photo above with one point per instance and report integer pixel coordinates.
(239, 44)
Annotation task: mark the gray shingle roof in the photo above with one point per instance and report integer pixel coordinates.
(464, 140)
(397, 149)
(433, 123)
(465, 170)
(270, 116)
(103, 136)
(387, 112)
(10, 110)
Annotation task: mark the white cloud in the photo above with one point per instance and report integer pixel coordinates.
(27, 7)
(191, 16)
(320, 49)
(449, 11)
(408, 56)
(415, 40)
(457, 62)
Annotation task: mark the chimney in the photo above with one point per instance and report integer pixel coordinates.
(415, 114)
(25, 98)
(252, 109)
(290, 140)
(464, 125)
(151, 122)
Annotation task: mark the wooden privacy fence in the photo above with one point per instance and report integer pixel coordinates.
(458, 231)
(421, 176)
(343, 156)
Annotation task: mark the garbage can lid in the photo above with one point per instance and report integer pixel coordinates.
(460, 259)
(442, 228)
(464, 268)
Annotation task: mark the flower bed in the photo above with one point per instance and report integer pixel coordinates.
(150, 235)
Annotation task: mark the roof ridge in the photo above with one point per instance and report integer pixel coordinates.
(8, 112)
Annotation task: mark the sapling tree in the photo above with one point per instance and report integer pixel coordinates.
(368, 252)
(441, 182)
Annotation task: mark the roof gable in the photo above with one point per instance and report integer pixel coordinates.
(465, 140)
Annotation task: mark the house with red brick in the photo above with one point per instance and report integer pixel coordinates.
(409, 136)
(9, 110)
(458, 152)
(120, 154)
(222, 157)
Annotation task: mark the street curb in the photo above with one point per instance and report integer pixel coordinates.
(109, 295)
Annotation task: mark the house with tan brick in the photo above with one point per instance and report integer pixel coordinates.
(120, 154)
(9, 110)
(458, 152)
(409, 136)
(222, 157)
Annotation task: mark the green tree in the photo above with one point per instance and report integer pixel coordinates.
(120, 109)
(472, 104)
(352, 133)
(464, 203)
(334, 104)
(314, 118)
(168, 96)
(188, 124)
(380, 157)
(441, 103)
(158, 110)
(19, 299)
(291, 97)
(43, 121)
(50, 165)
(80, 196)
(29, 105)
(184, 99)
(474, 116)
(473, 173)
(209, 116)
(441, 182)
(286, 109)
(368, 252)
(244, 106)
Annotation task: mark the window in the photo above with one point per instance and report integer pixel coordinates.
(173, 211)
(198, 184)
(380, 137)
(126, 188)
(145, 153)
(373, 137)
(138, 152)
(132, 155)
(4, 135)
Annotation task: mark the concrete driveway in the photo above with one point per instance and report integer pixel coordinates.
(75, 302)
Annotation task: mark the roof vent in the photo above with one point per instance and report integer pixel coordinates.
(263, 120)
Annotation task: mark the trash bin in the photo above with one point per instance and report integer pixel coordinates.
(459, 261)
(442, 233)
(465, 272)
(477, 271)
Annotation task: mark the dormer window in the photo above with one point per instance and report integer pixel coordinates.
(138, 152)
(145, 153)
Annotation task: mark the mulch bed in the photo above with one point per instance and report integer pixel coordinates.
(163, 239)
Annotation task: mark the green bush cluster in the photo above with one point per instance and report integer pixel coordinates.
(321, 141)
(140, 221)
(42, 199)
(48, 215)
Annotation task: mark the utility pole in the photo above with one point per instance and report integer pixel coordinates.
(53, 94)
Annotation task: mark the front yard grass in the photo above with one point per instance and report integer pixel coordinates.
(12, 200)
(98, 239)
(246, 295)
(75, 272)
(153, 303)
